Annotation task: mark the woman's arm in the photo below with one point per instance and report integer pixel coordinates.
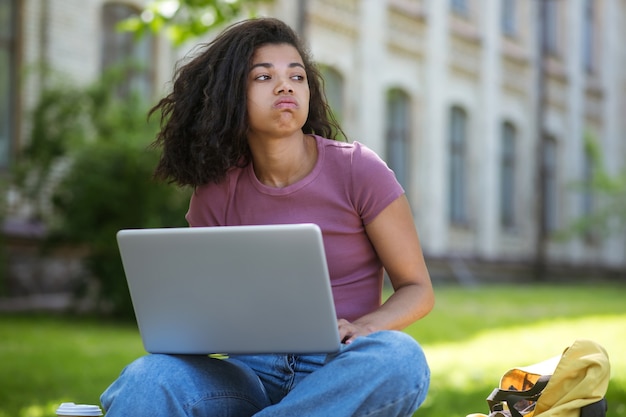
(396, 241)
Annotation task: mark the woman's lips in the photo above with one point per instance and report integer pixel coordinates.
(286, 103)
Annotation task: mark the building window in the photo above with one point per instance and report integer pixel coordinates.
(508, 19)
(399, 135)
(457, 167)
(589, 36)
(333, 88)
(549, 185)
(550, 25)
(507, 176)
(460, 7)
(588, 201)
(121, 50)
(8, 17)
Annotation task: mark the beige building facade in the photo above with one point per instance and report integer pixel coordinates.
(481, 107)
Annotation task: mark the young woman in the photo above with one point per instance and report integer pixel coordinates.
(248, 127)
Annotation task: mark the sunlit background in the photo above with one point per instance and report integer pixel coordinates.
(504, 120)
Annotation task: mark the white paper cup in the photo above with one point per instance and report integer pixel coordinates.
(75, 410)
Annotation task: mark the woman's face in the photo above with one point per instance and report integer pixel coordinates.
(278, 92)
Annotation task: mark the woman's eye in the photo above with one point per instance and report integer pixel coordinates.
(298, 77)
(262, 77)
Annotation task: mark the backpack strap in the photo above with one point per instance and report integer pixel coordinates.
(512, 397)
(597, 409)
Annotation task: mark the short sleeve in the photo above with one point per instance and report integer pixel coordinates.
(374, 184)
(208, 205)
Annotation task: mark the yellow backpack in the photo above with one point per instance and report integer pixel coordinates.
(570, 385)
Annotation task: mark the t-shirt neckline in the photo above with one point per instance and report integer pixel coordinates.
(298, 185)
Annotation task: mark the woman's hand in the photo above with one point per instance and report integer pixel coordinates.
(349, 331)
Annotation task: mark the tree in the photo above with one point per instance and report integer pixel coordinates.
(607, 190)
(181, 20)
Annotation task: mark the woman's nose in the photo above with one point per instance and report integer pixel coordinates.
(284, 86)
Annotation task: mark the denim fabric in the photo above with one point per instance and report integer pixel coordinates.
(384, 374)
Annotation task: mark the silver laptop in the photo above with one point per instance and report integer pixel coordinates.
(231, 290)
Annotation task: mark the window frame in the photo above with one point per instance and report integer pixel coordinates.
(334, 90)
(588, 196)
(549, 186)
(398, 135)
(120, 49)
(457, 167)
(550, 26)
(8, 47)
(589, 36)
(460, 7)
(508, 17)
(508, 156)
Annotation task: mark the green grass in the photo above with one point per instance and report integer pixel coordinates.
(48, 360)
(474, 335)
(471, 338)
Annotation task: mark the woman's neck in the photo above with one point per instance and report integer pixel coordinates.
(282, 162)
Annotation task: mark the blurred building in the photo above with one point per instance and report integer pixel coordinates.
(481, 107)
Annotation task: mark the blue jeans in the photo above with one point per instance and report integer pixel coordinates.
(384, 374)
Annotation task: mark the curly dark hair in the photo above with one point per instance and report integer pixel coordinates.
(204, 119)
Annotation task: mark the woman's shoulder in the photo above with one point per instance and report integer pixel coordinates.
(223, 186)
(210, 202)
(355, 154)
(352, 149)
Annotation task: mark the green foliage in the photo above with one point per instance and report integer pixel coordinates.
(108, 188)
(607, 192)
(88, 170)
(182, 20)
(3, 256)
(57, 124)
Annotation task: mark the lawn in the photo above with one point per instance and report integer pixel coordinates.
(471, 338)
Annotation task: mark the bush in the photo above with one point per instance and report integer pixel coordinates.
(4, 263)
(87, 172)
(109, 188)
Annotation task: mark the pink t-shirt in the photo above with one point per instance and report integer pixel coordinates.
(348, 187)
